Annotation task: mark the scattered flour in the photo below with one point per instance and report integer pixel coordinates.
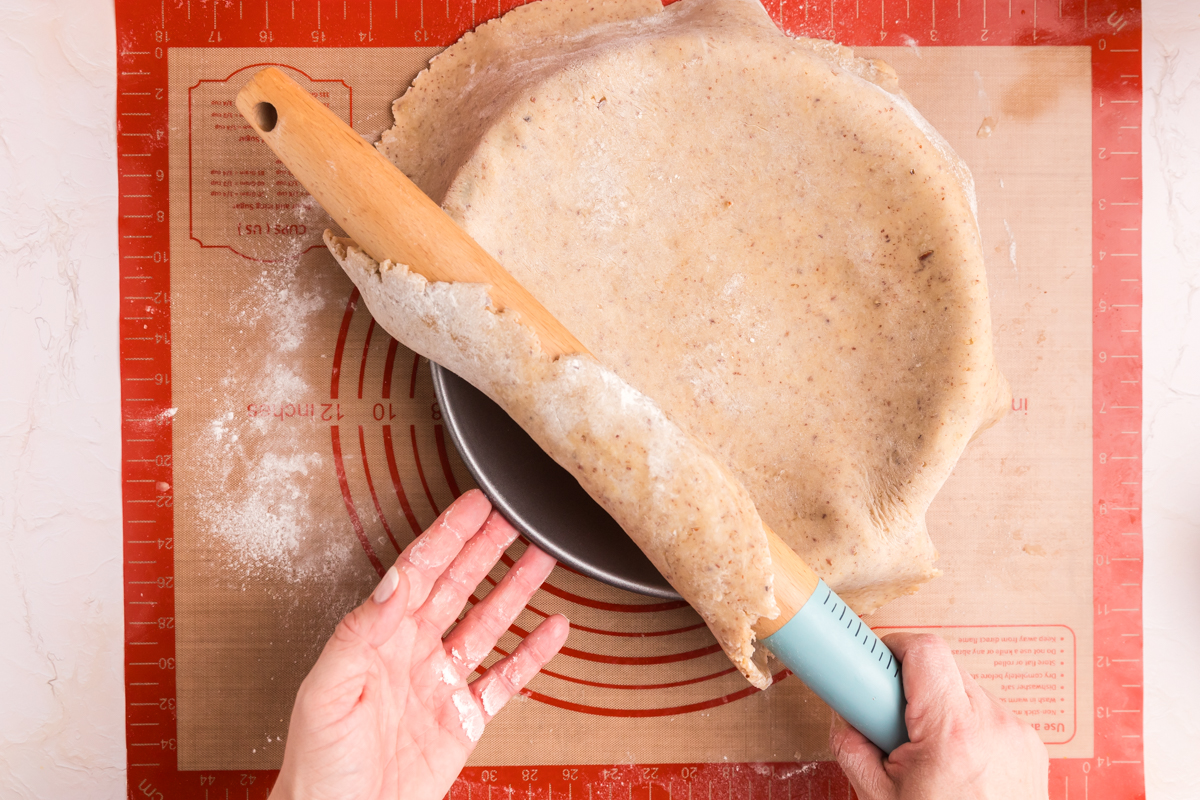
(494, 697)
(263, 516)
(274, 303)
(1012, 244)
(733, 284)
(260, 488)
(468, 714)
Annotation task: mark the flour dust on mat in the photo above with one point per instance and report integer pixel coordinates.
(259, 502)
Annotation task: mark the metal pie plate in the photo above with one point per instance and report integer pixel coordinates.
(539, 497)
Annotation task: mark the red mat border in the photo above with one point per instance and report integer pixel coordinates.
(146, 30)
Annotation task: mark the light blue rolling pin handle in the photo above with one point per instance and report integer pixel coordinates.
(838, 656)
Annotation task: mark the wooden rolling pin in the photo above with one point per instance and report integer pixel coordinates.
(390, 218)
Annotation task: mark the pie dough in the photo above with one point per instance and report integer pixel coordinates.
(697, 524)
(764, 245)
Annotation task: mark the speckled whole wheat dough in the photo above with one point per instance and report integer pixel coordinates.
(760, 234)
(676, 500)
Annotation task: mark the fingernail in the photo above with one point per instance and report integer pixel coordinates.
(387, 586)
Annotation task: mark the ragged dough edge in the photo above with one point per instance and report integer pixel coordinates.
(665, 489)
(880, 76)
(527, 35)
(533, 32)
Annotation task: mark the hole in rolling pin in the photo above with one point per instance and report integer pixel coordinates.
(265, 117)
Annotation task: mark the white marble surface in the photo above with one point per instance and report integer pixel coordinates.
(61, 696)
(1171, 396)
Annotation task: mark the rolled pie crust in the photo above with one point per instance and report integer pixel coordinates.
(773, 256)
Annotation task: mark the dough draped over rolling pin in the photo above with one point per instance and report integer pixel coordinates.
(669, 493)
(764, 245)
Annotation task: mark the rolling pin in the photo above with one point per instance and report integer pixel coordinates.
(816, 635)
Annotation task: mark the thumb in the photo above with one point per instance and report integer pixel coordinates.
(378, 618)
(861, 760)
(334, 683)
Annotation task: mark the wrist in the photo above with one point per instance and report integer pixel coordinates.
(283, 789)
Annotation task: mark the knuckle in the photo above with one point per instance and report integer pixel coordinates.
(959, 730)
(537, 652)
(520, 578)
(495, 628)
(351, 625)
(500, 531)
(507, 675)
(460, 584)
(1036, 744)
(511, 671)
(489, 627)
(838, 743)
(927, 644)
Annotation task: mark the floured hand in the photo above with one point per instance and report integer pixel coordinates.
(387, 708)
(965, 745)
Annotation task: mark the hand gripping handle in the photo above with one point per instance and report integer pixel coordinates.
(838, 656)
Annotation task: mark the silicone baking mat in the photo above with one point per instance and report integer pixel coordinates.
(280, 448)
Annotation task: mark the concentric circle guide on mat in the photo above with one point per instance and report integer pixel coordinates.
(393, 468)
